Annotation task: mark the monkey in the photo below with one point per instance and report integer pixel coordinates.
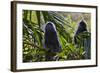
(82, 27)
(52, 43)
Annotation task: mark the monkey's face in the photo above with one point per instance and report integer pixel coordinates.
(82, 25)
(50, 27)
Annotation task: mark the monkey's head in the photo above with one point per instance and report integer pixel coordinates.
(82, 25)
(50, 27)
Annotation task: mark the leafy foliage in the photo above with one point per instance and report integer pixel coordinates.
(33, 35)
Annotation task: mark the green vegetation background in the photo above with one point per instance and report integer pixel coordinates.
(66, 24)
